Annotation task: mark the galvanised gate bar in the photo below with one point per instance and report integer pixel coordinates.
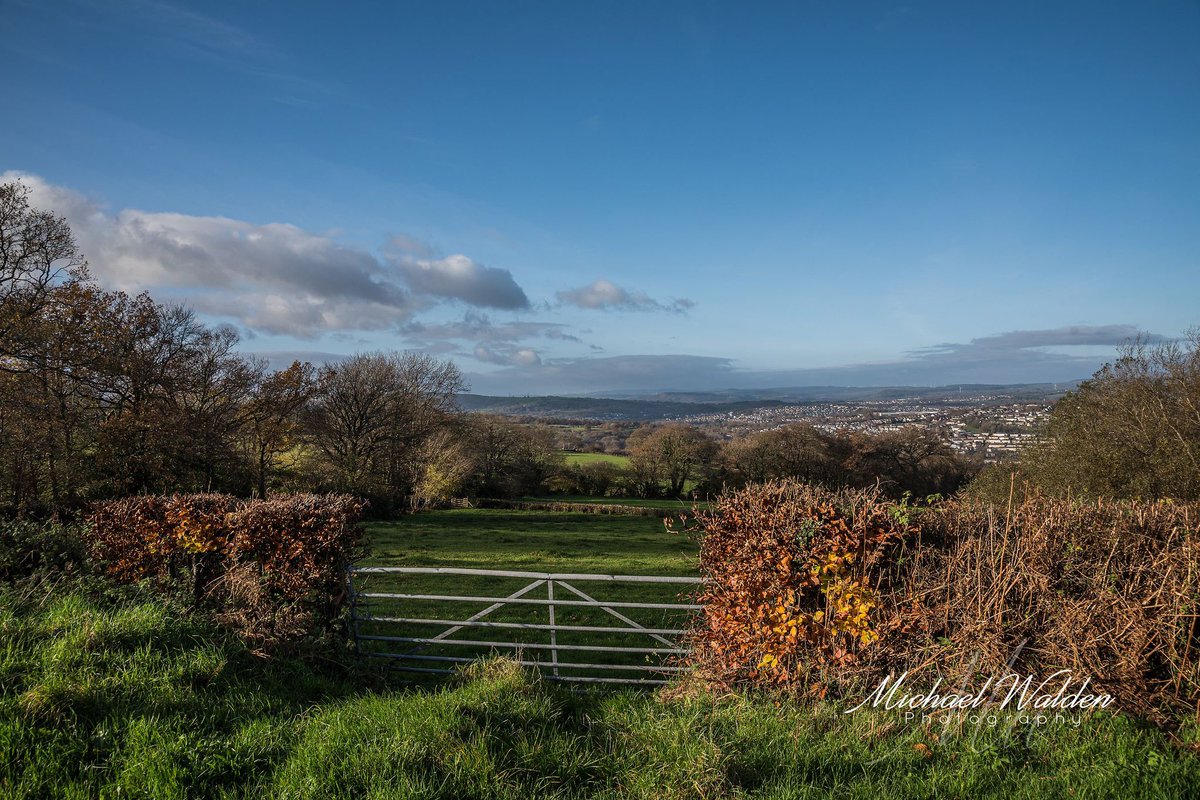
(544, 619)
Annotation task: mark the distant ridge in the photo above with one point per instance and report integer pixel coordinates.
(602, 408)
(832, 394)
(666, 405)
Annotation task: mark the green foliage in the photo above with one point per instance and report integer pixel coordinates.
(911, 460)
(39, 550)
(1132, 431)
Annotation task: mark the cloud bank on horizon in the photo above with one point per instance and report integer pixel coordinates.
(1013, 357)
(278, 280)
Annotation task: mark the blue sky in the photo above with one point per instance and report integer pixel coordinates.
(571, 197)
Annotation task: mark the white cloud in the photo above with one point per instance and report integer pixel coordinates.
(508, 356)
(459, 278)
(272, 278)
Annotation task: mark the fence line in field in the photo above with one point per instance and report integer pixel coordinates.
(411, 659)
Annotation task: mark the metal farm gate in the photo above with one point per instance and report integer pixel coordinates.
(427, 620)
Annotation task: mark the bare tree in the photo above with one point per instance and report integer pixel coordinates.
(371, 414)
(273, 415)
(37, 252)
(510, 458)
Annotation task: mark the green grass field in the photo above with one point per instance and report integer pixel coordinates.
(533, 542)
(595, 458)
(636, 502)
(114, 695)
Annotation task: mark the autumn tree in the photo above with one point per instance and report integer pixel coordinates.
(913, 459)
(173, 399)
(669, 455)
(425, 404)
(447, 463)
(794, 451)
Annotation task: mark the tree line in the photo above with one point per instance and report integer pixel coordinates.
(104, 394)
(678, 460)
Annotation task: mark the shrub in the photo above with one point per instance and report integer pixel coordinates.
(31, 549)
(273, 569)
(301, 544)
(1106, 589)
(791, 586)
(817, 590)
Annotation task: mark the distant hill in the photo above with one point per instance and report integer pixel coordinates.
(666, 405)
(841, 394)
(602, 408)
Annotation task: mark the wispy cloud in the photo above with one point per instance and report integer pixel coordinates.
(611, 373)
(407, 245)
(188, 28)
(602, 295)
(1000, 344)
(509, 356)
(477, 326)
(184, 32)
(497, 343)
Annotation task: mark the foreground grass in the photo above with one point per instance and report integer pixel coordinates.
(138, 699)
(132, 698)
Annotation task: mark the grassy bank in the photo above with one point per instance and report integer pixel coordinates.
(136, 699)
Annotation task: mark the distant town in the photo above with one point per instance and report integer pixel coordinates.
(984, 426)
(991, 423)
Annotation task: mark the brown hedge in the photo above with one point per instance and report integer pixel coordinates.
(272, 568)
(823, 591)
